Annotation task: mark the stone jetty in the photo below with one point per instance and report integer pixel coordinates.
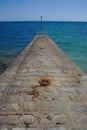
(43, 90)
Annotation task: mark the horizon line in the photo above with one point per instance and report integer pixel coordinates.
(43, 21)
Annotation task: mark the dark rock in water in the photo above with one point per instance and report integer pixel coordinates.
(3, 67)
(4, 63)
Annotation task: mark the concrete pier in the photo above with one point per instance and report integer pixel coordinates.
(43, 90)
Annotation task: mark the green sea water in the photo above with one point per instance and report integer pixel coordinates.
(69, 36)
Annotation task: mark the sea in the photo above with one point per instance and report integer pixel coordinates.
(71, 37)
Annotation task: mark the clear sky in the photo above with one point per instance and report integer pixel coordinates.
(51, 10)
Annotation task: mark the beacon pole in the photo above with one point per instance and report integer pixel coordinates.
(41, 29)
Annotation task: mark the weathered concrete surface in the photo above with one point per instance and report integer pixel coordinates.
(43, 89)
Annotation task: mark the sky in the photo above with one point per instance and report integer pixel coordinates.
(51, 10)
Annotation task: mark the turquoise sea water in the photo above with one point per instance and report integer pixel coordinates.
(70, 36)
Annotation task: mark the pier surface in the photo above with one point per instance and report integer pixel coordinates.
(43, 90)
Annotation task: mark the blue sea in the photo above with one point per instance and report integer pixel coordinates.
(70, 36)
